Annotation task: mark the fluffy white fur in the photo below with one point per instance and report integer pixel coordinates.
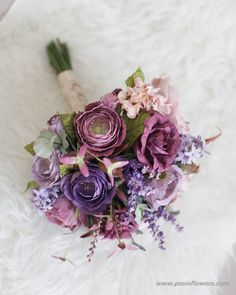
(191, 41)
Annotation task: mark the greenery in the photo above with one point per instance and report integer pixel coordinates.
(59, 56)
(131, 79)
(68, 123)
(135, 127)
(30, 148)
(31, 185)
(48, 140)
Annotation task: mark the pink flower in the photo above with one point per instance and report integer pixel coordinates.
(143, 96)
(111, 167)
(63, 213)
(172, 100)
(78, 159)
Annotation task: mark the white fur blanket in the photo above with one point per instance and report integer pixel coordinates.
(191, 41)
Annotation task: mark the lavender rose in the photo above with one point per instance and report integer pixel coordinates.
(159, 143)
(46, 171)
(63, 213)
(101, 128)
(165, 190)
(91, 194)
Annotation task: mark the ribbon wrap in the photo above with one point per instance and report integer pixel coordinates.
(72, 90)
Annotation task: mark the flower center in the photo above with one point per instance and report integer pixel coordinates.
(99, 126)
(87, 188)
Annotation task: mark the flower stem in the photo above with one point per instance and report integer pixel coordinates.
(59, 56)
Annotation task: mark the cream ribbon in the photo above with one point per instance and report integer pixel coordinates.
(72, 90)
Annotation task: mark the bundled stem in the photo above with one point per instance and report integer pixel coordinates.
(59, 56)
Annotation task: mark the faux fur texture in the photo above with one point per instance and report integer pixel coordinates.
(191, 41)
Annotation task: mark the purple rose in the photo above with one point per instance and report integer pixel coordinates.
(165, 190)
(101, 128)
(46, 171)
(91, 194)
(63, 213)
(159, 143)
(55, 124)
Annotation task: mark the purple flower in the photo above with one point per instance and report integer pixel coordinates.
(165, 190)
(101, 128)
(55, 124)
(192, 148)
(91, 194)
(151, 218)
(159, 143)
(110, 99)
(136, 183)
(46, 171)
(63, 213)
(44, 198)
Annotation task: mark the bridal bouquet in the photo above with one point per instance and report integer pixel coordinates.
(113, 164)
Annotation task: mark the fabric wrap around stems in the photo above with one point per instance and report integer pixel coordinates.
(72, 90)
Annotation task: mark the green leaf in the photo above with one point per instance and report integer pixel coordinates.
(131, 79)
(135, 127)
(31, 185)
(43, 144)
(138, 232)
(139, 211)
(163, 175)
(64, 169)
(59, 141)
(30, 148)
(138, 245)
(68, 123)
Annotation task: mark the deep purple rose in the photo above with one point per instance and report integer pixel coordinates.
(46, 171)
(159, 143)
(101, 128)
(91, 194)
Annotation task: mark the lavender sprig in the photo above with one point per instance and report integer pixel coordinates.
(152, 218)
(93, 246)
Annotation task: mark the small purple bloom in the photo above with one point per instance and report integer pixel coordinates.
(46, 171)
(136, 183)
(91, 194)
(159, 143)
(55, 124)
(44, 198)
(191, 149)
